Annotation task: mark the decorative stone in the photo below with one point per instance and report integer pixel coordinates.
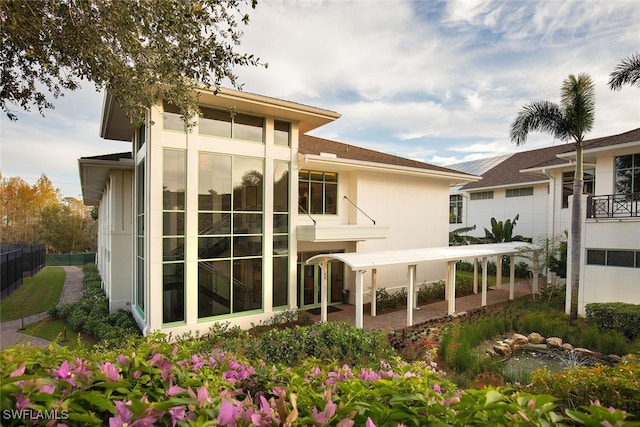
(520, 340)
(554, 342)
(509, 342)
(502, 349)
(536, 338)
(612, 358)
(567, 346)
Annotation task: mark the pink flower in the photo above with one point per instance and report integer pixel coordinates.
(18, 372)
(122, 359)
(177, 413)
(173, 389)
(228, 413)
(202, 397)
(22, 402)
(110, 372)
(122, 416)
(369, 423)
(437, 389)
(347, 422)
(48, 389)
(324, 417)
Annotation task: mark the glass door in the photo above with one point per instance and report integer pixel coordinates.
(310, 282)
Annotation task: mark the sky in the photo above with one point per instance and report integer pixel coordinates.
(434, 81)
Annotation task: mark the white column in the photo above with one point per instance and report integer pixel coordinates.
(447, 279)
(411, 294)
(512, 275)
(324, 269)
(452, 287)
(499, 272)
(475, 275)
(484, 281)
(374, 291)
(359, 289)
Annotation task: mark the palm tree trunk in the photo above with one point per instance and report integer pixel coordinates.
(576, 232)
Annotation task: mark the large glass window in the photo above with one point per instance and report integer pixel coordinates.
(140, 238)
(613, 257)
(455, 209)
(229, 124)
(230, 231)
(318, 192)
(280, 233)
(588, 186)
(172, 118)
(173, 235)
(627, 178)
(282, 131)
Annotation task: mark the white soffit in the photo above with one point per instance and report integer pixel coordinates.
(367, 260)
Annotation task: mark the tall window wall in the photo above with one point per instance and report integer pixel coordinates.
(280, 233)
(173, 235)
(627, 174)
(230, 231)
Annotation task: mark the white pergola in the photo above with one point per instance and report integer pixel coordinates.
(370, 261)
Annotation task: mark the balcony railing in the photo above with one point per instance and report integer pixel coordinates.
(613, 206)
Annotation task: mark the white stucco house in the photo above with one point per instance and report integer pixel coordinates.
(536, 185)
(216, 224)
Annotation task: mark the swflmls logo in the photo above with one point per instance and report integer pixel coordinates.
(31, 414)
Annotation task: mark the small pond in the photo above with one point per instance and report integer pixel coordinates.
(523, 362)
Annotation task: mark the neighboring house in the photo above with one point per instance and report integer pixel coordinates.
(536, 185)
(215, 224)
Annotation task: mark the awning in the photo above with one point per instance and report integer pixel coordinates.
(361, 262)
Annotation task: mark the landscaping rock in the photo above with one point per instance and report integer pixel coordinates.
(566, 346)
(503, 349)
(520, 340)
(536, 338)
(554, 342)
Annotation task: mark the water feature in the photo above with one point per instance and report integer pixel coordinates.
(523, 362)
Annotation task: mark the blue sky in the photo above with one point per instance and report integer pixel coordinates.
(435, 81)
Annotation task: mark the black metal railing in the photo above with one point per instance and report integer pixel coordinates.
(623, 205)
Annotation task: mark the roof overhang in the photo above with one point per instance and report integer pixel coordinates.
(505, 186)
(341, 164)
(114, 124)
(368, 260)
(94, 174)
(592, 153)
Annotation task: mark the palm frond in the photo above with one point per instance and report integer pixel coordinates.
(539, 116)
(578, 99)
(626, 72)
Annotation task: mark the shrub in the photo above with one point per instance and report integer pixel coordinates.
(431, 292)
(615, 316)
(616, 386)
(389, 301)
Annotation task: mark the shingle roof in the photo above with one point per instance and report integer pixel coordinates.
(312, 145)
(110, 157)
(508, 172)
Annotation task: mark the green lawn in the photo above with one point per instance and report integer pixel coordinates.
(491, 280)
(54, 330)
(35, 295)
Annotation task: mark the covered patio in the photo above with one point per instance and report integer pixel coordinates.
(361, 263)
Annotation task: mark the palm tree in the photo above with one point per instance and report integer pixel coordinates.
(626, 72)
(572, 119)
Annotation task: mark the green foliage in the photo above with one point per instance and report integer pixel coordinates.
(615, 316)
(502, 231)
(325, 341)
(615, 386)
(91, 316)
(150, 381)
(431, 292)
(389, 301)
(139, 51)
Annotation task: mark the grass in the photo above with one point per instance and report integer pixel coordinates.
(54, 330)
(491, 279)
(36, 295)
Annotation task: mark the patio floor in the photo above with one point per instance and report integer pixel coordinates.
(397, 320)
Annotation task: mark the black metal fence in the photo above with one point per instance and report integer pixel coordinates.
(79, 259)
(16, 262)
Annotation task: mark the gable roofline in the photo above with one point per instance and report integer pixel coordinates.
(94, 173)
(346, 156)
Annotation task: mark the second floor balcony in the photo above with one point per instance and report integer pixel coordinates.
(613, 206)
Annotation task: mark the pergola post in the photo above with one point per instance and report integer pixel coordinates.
(411, 294)
(447, 279)
(451, 284)
(324, 268)
(536, 269)
(359, 290)
(484, 281)
(475, 275)
(512, 275)
(499, 271)
(374, 291)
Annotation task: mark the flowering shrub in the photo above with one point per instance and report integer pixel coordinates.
(154, 382)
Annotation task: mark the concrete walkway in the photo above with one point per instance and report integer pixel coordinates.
(10, 331)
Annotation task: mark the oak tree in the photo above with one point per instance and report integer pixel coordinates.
(138, 50)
